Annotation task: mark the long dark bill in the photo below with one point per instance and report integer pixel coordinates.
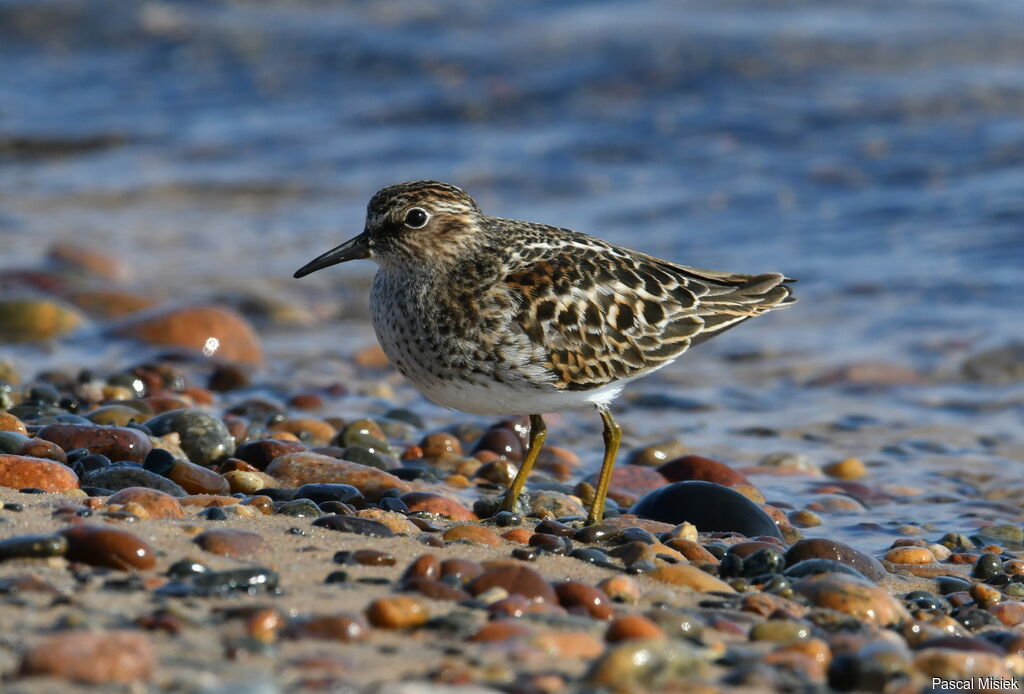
(353, 249)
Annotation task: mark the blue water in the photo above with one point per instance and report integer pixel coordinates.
(874, 150)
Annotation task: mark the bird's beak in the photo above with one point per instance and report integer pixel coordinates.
(353, 249)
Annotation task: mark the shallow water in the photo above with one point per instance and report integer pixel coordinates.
(874, 151)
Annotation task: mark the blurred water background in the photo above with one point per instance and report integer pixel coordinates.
(874, 150)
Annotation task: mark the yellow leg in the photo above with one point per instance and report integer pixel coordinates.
(538, 432)
(612, 436)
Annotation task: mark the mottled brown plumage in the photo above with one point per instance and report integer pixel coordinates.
(500, 316)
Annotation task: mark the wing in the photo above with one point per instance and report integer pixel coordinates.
(605, 313)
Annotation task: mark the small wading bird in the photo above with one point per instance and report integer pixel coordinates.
(500, 317)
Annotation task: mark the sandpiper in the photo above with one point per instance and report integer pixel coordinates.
(499, 317)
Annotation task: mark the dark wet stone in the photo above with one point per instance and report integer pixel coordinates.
(98, 545)
(299, 508)
(595, 533)
(321, 492)
(32, 547)
(338, 577)
(159, 461)
(261, 453)
(505, 519)
(633, 535)
(501, 441)
(118, 476)
(763, 561)
(94, 461)
(987, 566)
(213, 513)
(117, 443)
(246, 579)
(393, 505)
(552, 544)
(354, 524)
(186, 568)
(809, 567)
(975, 618)
(822, 548)
(204, 438)
(591, 555)
(952, 584)
(710, 507)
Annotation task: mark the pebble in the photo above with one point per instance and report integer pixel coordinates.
(247, 579)
(500, 630)
(517, 580)
(691, 577)
(124, 475)
(242, 482)
(204, 438)
(633, 627)
(436, 590)
(854, 596)
(8, 422)
(93, 656)
(568, 644)
(297, 469)
(518, 535)
(580, 598)
(117, 443)
(213, 331)
(439, 446)
(322, 492)
(196, 479)
(344, 628)
(20, 472)
(299, 508)
(463, 570)
(698, 468)
(31, 318)
(424, 566)
(151, 502)
(354, 524)
(474, 534)
(709, 506)
(32, 547)
(823, 548)
(910, 555)
(107, 547)
(657, 453)
(621, 589)
(437, 504)
(397, 612)
(16, 443)
(261, 453)
(231, 542)
(646, 665)
(846, 469)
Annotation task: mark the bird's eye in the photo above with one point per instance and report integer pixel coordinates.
(416, 218)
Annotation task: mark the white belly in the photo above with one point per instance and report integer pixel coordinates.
(499, 399)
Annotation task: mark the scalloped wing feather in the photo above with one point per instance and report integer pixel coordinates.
(605, 313)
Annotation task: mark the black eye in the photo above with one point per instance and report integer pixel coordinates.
(416, 218)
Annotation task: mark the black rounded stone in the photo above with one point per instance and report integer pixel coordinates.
(763, 561)
(987, 566)
(810, 567)
(326, 491)
(711, 507)
(159, 461)
(354, 524)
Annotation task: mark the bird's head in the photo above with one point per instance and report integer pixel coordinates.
(416, 222)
